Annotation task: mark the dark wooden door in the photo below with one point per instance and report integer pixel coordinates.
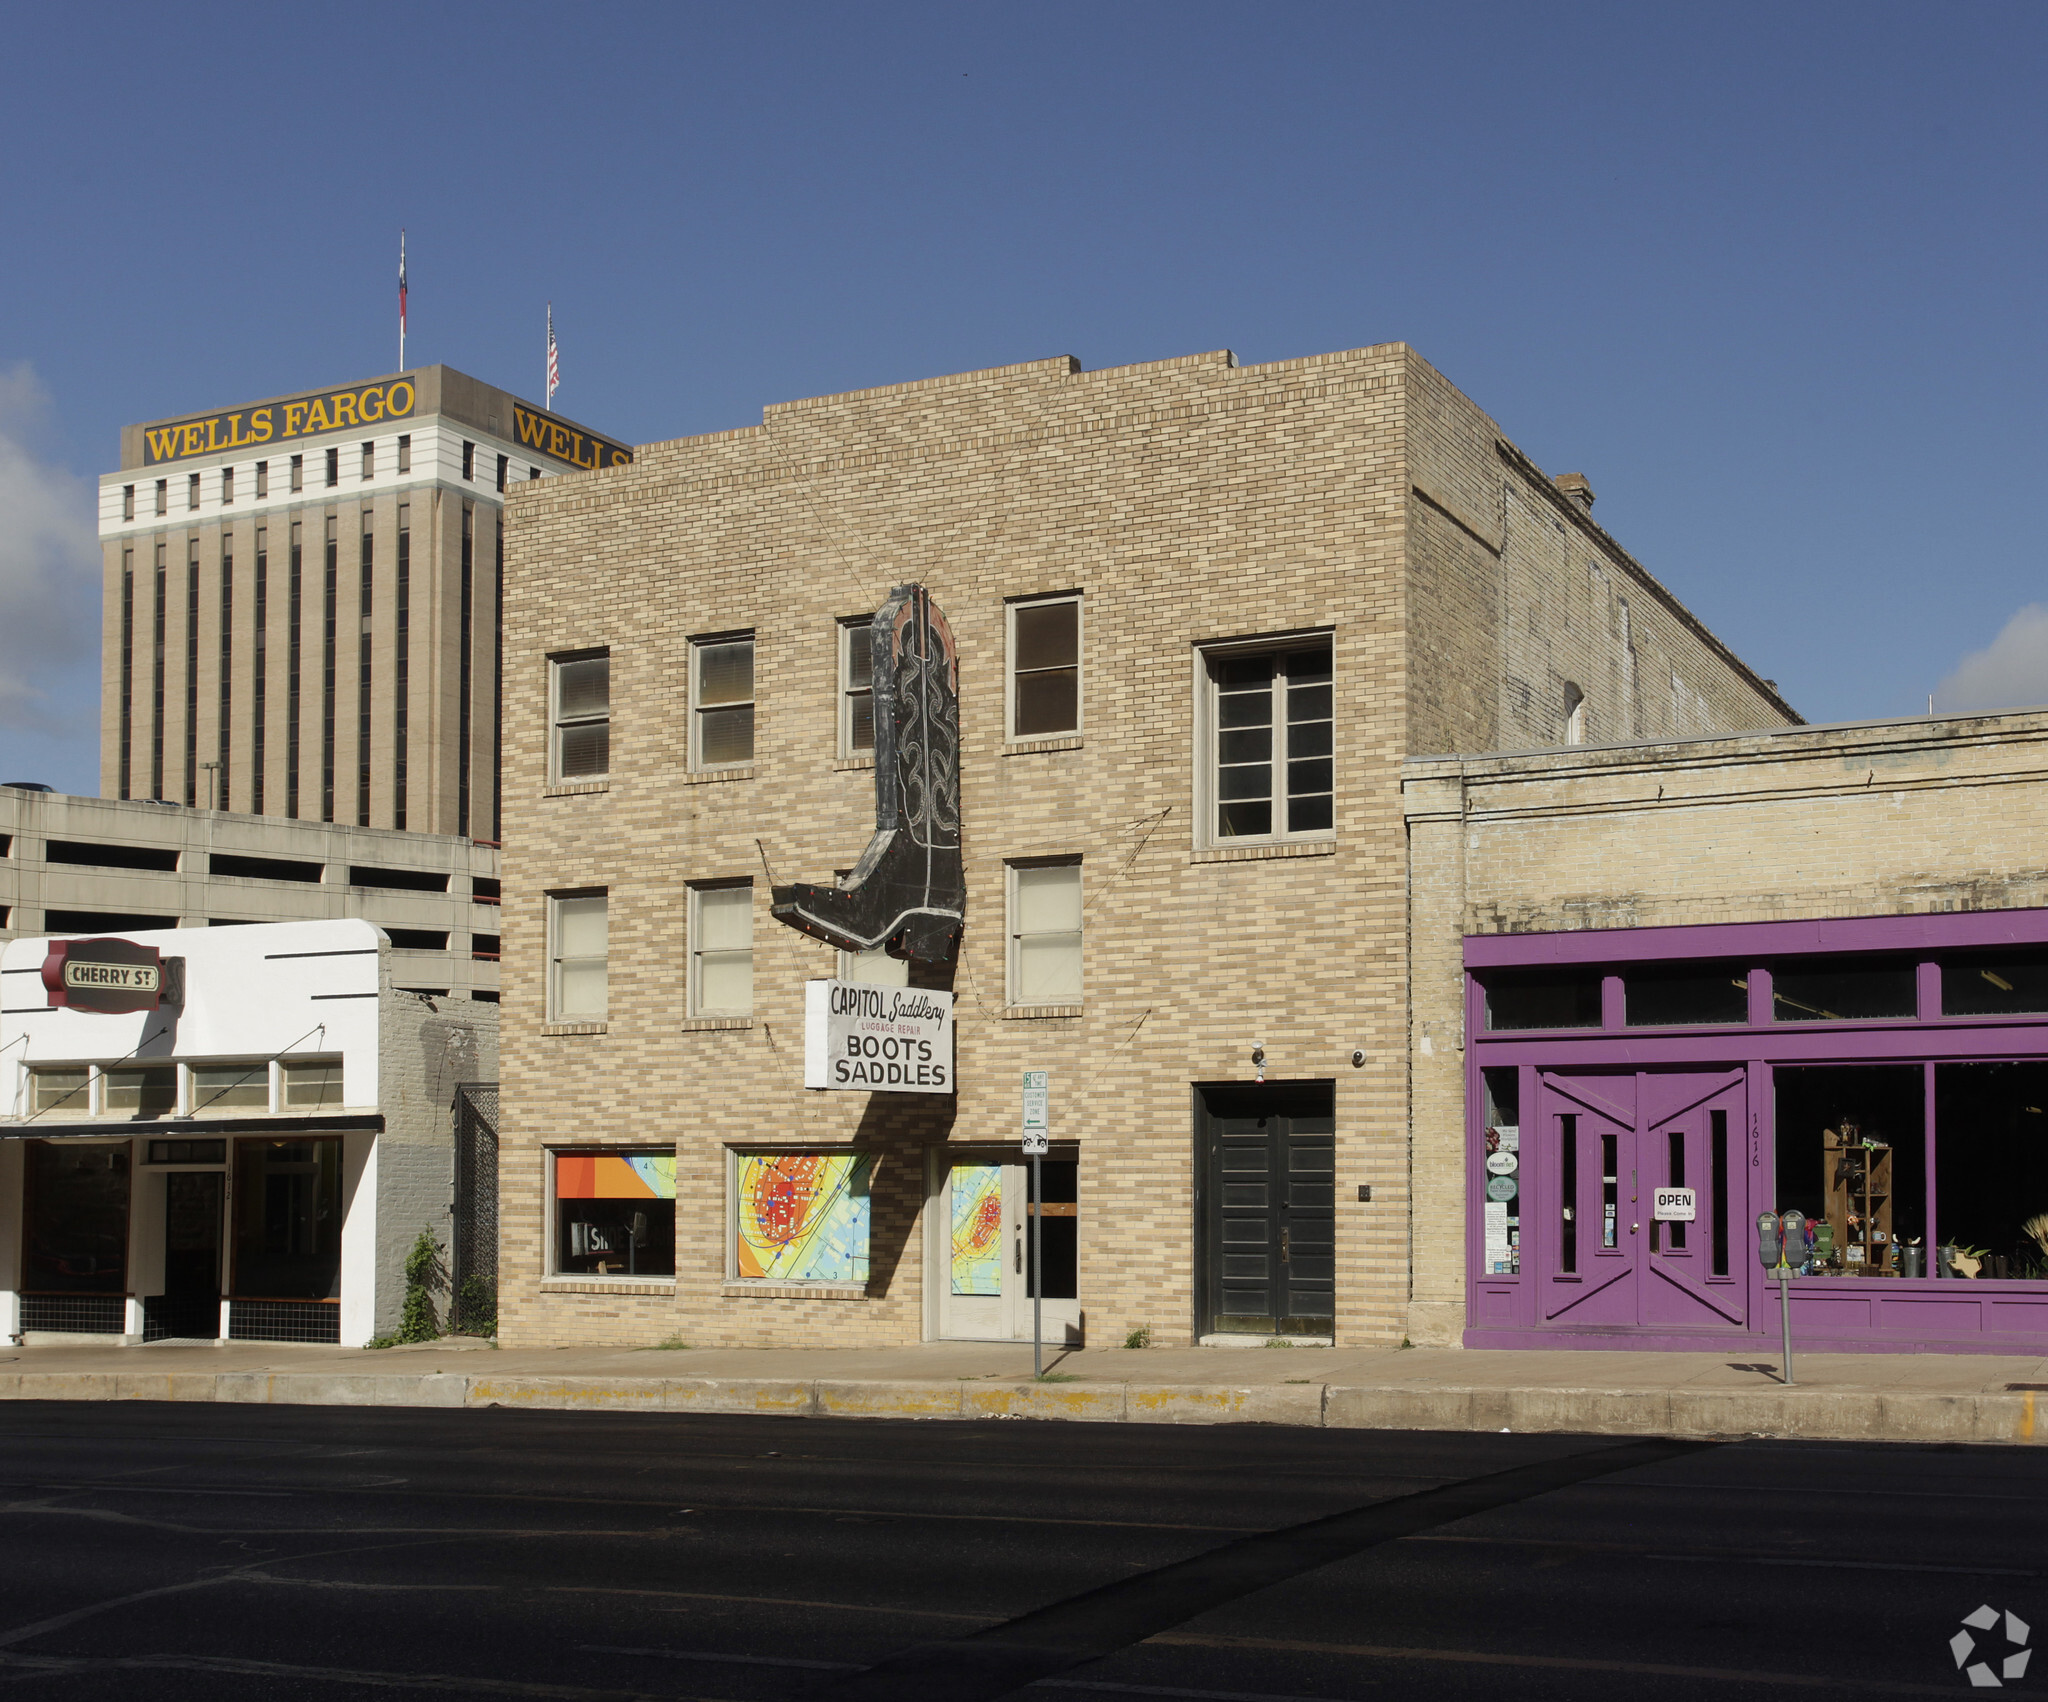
(1268, 1208)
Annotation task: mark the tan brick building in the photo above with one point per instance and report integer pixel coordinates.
(1702, 964)
(1203, 614)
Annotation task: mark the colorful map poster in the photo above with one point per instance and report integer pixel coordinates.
(803, 1217)
(977, 1229)
(615, 1176)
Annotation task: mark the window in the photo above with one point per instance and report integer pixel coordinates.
(187, 1152)
(163, 496)
(1271, 771)
(1574, 714)
(312, 1084)
(298, 472)
(615, 1212)
(874, 968)
(722, 950)
(2004, 983)
(1045, 934)
(405, 453)
(192, 491)
(262, 478)
(469, 460)
(230, 1087)
(533, 472)
(504, 468)
(60, 1092)
(1686, 993)
(825, 1192)
(227, 485)
(75, 1222)
(1843, 989)
(1045, 668)
(127, 502)
(369, 461)
(287, 1219)
(1542, 998)
(582, 691)
(576, 957)
(856, 686)
(147, 1092)
(722, 702)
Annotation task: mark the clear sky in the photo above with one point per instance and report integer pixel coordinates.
(1770, 276)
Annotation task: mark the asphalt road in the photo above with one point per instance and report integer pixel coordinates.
(272, 1552)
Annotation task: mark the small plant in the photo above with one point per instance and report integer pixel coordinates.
(1058, 1377)
(416, 1321)
(476, 1308)
(1405, 1342)
(1277, 1341)
(674, 1343)
(381, 1341)
(1140, 1337)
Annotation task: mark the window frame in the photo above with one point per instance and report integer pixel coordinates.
(1010, 609)
(699, 646)
(1013, 933)
(610, 1149)
(848, 627)
(287, 1068)
(1208, 743)
(698, 891)
(555, 959)
(557, 722)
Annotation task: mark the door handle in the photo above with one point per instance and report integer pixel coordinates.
(1017, 1249)
(1286, 1247)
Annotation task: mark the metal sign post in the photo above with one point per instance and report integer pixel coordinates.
(1037, 1134)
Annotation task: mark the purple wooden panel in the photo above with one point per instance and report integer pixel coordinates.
(1943, 931)
(1921, 1317)
(1829, 1312)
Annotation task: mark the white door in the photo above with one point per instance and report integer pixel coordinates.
(982, 1259)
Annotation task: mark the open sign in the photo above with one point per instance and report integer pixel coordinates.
(1674, 1205)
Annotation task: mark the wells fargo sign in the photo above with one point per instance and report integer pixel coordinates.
(111, 976)
(558, 438)
(279, 422)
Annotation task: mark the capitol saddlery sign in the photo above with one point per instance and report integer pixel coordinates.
(877, 1039)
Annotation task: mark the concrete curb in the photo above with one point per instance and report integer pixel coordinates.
(1817, 1414)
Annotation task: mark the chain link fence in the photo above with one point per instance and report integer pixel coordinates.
(473, 1265)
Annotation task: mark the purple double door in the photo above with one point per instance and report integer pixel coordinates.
(1604, 1143)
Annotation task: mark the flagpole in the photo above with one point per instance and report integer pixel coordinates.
(401, 298)
(547, 377)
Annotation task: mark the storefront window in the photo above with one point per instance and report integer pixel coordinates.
(1843, 989)
(1501, 1252)
(77, 1219)
(231, 1087)
(1852, 1155)
(288, 1219)
(60, 1093)
(1688, 993)
(802, 1217)
(151, 1092)
(615, 1213)
(1543, 998)
(1995, 984)
(1991, 1169)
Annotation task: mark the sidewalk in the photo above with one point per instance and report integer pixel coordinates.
(1859, 1397)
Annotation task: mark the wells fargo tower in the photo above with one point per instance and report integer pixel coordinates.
(302, 598)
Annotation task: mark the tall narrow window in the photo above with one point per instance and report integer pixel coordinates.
(192, 493)
(225, 707)
(401, 663)
(581, 714)
(504, 466)
(329, 597)
(365, 601)
(259, 671)
(856, 686)
(156, 715)
(722, 950)
(1610, 1192)
(469, 460)
(295, 646)
(1045, 668)
(127, 672)
(298, 472)
(163, 496)
(191, 673)
(262, 478)
(1270, 768)
(333, 468)
(369, 462)
(1717, 1171)
(577, 950)
(127, 502)
(1675, 1140)
(465, 671)
(405, 453)
(722, 702)
(1045, 934)
(1568, 1192)
(1574, 714)
(227, 486)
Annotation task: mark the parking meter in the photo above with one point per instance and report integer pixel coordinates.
(1781, 1246)
(1794, 1235)
(1769, 1238)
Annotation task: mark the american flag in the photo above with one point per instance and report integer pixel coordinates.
(554, 365)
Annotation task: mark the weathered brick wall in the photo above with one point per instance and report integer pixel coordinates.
(1189, 500)
(1889, 818)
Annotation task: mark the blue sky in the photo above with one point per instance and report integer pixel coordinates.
(1770, 276)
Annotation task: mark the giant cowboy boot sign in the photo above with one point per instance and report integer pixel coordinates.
(906, 893)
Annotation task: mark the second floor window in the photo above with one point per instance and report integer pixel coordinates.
(369, 460)
(722, 950)
(192, 491)
(405, 453)
(298, 472)
(262, 478)
(469, 460)
(227, 485)
(163, 496)
(1045, 668)
(577, 953)
(856, 687)
(333, 467)
(722, 702)
(127, 502)
(581, 714)
(1270, 769)
(1045, 933)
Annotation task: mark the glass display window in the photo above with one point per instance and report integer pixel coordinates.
(615, 1212)
(1542, 998)
(1843, 989)
(287, 1215)
(1663, 996)
(76, 1218)
(2002, 983)
(1991, 1170)
(801, 1216)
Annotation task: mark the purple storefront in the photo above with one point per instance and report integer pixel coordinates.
(1887, 1076)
